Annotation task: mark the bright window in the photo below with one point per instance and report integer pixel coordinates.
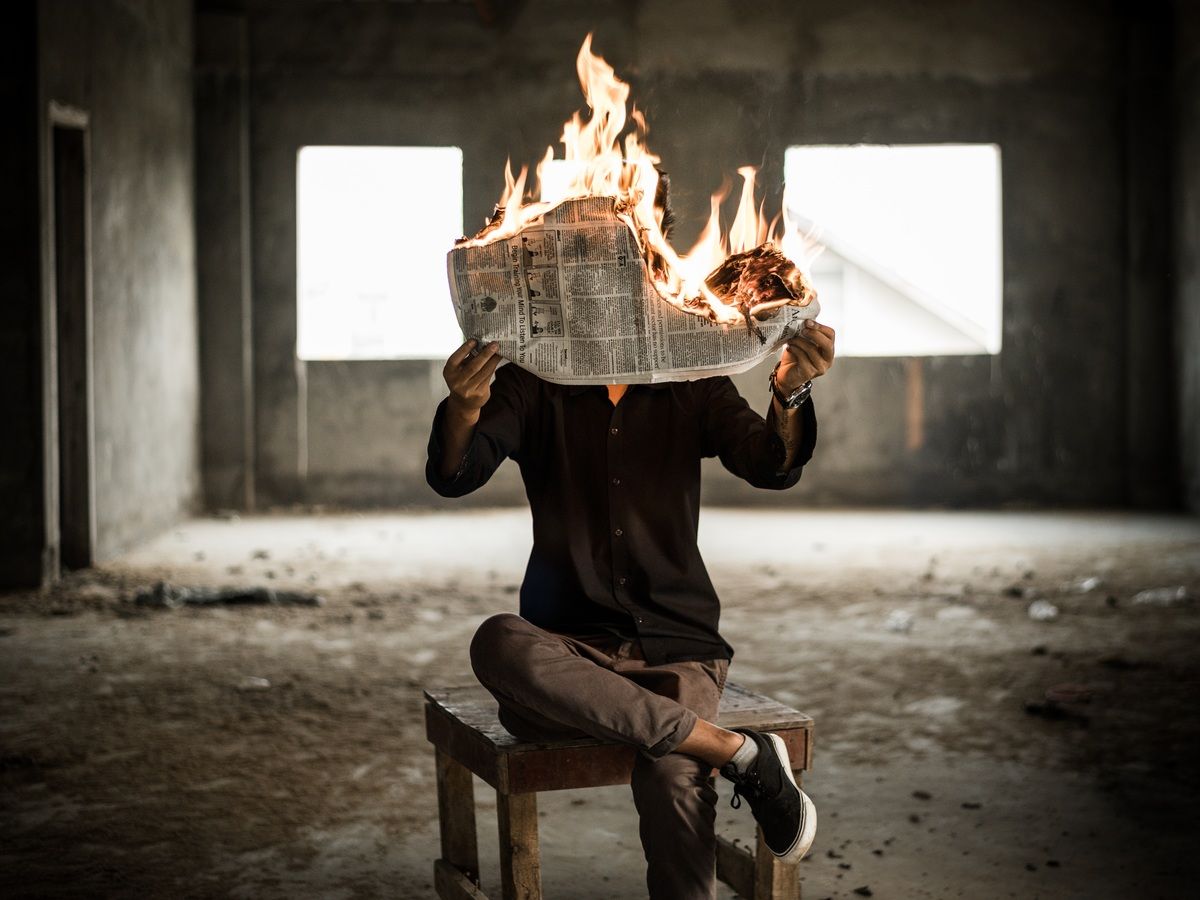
(911, 264)
(374, 225)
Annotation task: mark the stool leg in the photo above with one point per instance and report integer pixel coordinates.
(774, 879)
(520, 862)
(456, 815)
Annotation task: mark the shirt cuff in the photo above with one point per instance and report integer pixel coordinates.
(433, 475)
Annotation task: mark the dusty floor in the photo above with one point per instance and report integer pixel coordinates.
(137, 760)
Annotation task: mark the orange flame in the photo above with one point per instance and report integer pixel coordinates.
(597, 163)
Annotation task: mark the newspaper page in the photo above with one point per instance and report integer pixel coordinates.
(569, 300)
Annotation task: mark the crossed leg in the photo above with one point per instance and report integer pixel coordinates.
(552, 685)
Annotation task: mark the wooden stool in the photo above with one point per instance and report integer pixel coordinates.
(461, 724)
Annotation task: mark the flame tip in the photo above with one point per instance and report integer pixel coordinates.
(607, 158)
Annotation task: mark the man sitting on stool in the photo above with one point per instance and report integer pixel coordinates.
(617, 633)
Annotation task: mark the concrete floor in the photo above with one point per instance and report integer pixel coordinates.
(135, 761)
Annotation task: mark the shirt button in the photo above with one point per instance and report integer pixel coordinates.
(641, 621)
(613, 430)
(616, 481)
(618, 532)
(621, 580)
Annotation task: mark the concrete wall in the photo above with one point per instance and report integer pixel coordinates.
(128, 64)
(1187, 244)
(1047, 421)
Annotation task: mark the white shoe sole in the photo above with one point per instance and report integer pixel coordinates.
(808, 831)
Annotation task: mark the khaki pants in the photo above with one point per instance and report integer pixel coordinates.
(552, 685)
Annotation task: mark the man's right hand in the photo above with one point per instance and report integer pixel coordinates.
(469, 377)
(468, 374)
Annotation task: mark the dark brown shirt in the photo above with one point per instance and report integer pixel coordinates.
(615, 496)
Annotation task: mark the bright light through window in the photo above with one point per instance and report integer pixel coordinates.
(912, 263)
(374, 225)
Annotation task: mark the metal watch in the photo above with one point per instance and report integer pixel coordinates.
(795, 398)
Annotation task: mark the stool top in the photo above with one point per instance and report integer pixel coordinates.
(462, 722)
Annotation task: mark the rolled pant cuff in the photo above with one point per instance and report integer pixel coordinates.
(687, 721)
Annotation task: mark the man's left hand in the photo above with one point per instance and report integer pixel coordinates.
(807, 356)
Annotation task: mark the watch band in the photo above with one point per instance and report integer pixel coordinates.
(796, 398)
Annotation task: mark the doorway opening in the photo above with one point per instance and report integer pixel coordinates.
(72, 344)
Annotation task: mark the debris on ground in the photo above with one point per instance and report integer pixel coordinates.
(1054, 712)
(1121, 664)
(165, 595)
(864, 891)
(1163, 596)
(1072, 692)
(899, 621)
(1021, 592)
(253, 683)
(1042, 611)
(1087, 585)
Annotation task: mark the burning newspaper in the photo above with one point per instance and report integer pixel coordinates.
(569, 300)
(580, 285)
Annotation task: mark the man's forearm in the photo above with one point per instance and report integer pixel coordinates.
(458, 425)
(790, 427)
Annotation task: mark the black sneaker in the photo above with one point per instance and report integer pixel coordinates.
(787, 817)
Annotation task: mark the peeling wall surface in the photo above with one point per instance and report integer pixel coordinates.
(1187, 243)
(129, 66)
(1046, 421)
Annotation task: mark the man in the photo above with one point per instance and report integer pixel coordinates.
(617, 633)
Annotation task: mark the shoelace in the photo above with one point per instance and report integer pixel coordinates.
(748, 787)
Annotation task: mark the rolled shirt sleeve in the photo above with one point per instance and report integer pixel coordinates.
(497, 435)
(748, 445)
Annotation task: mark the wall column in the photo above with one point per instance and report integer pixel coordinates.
(223, 260)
